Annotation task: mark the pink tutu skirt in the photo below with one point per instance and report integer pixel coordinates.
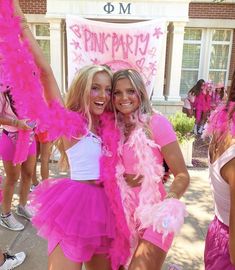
(74, 215)
(216, 255)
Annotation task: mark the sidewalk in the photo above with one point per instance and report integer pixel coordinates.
(187, 249)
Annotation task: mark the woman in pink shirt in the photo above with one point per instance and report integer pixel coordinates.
(146, 138)
(188, 106)
(202, 106)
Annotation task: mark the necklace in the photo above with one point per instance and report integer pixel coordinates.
(128, 127)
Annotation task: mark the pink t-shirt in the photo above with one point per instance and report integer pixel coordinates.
(163, 134)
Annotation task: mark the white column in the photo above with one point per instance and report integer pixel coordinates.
(159, 85)
(175, 54)
(56, 50)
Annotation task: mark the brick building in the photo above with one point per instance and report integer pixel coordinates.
(199, 38)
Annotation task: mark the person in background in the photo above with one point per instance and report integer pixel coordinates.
(43, 153)
(220, 239)
(8, 261)
(11, 126)
(188, 107)
(147, 138)
(218, 96)
(202, 105)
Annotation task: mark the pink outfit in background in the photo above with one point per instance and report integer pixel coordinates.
(6, 111)
(8, 146)
(202, 104)
(8, 138)
(216, 255)
(163, 134)
(189, 101)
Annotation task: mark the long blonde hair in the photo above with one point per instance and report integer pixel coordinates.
(78, 96)
(78, 100)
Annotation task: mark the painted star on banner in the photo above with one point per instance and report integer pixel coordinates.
(75, 44)
(95, 61)
(157, 32)
(77, 58)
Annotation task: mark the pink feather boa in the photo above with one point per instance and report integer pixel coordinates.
(165, 216)
(20, 72)
(110, 136)
(221, 121)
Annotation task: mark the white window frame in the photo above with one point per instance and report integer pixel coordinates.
(229, 43)
(32, 27)
(200, 42)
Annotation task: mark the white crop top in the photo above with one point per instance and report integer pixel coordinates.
(220, 188)
(84, 157)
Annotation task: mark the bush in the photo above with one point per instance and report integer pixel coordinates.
(183, 126)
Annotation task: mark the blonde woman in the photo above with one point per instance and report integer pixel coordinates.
(73, 214)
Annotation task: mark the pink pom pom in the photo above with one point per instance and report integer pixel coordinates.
(166, 217)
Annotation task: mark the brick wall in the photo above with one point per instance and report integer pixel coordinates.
(211, 11)
(34, 6)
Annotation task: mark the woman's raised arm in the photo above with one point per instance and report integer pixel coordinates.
(51, 89)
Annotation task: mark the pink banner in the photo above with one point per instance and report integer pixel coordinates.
(129, 45)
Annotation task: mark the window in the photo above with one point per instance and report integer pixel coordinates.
(220, 46)
(42, 35)
(191, 59)
(206, 54)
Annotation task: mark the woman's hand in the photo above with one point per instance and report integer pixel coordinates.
(23, 124)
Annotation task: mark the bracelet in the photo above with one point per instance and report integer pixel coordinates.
(172, 195)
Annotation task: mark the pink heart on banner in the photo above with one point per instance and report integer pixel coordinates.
(140, 63)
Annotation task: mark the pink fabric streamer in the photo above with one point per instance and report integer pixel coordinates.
(19, 71)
